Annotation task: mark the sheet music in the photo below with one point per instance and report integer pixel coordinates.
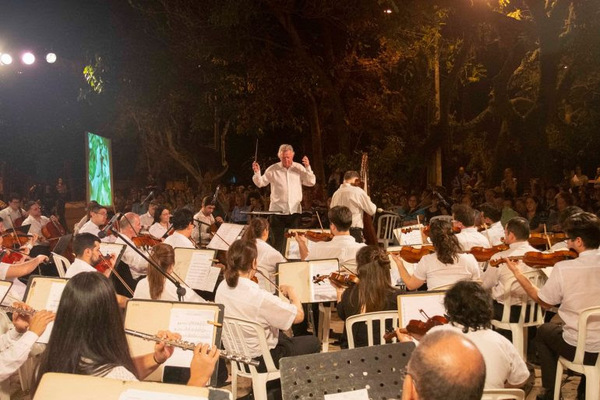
(409, 305)
(54, 295)
(360, 394)
(192, 325)
(201, 274)
(136, 394)
(322, 291)
(413, 237)
(225, 236)
(293, 252)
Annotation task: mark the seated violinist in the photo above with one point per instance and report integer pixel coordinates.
(162, 222)
(87, 254)
(343, 246)
(494, 231)
(36, 221)
(516, 234)
(205, 221)
(12, 213)
(447, 265)
(98, 216)
(562, 217)
(183, 225)
(464, 222)
(130, 226)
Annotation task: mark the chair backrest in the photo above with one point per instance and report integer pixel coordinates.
(532, 314)
(235, 331)
(62, 264)
(370, 319)
(385, 226)
(503, 394)
(584, 317)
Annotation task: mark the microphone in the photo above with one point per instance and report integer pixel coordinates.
(104, 232)
(150, 195)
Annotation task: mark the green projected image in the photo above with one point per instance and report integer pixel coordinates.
(99, 176)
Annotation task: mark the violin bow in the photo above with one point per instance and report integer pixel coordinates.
(547, 237)
(256, 151)
(319, 219)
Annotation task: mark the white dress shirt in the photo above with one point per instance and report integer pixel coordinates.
(36, 225)
(8, 213)
(17, 290)
(178, 240)
(157, 230)
(267, 261)
(469, 238)
(146, 220)
(286, 185)
(137, 264)
(169, 293)
(342, 247)
(436, 273)
(356, 200)
(201, 232)
(248, 301)
(78, 267)
(574, 285)
(14, 350)
(496, 278)
(495, 233)
(90, 227)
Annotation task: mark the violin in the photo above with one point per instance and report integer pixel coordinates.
(312, 236)
(416, 327)
(427, 230)
(103, 264)
(413, 254)
(539, 239)
(53, 230)
(145, 240)
(14, 239)
(483, 254)
(536, 259)
(10, 257)
(338, 279)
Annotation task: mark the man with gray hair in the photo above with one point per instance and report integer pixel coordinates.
(286, 179)
(445, 366)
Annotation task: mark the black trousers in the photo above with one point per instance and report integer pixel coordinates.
(278, 225)
(550, 345)
(289, 347)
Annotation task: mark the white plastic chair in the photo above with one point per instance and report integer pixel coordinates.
(385, 229)
(5, 325)
(62, 264)
(235, 331)
(591, 372)
(370, 319)
(503, 394)
(532, 313)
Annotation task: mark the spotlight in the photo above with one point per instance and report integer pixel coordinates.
(5, 59)
(28, 58)
(387, 11)
(50, 58)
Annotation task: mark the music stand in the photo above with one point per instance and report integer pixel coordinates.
(379, 369)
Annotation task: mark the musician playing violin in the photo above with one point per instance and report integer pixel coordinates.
(373, 292)
(357, 200)
(203, 232)
(464, 222)
(37, 221)
(342, 246)
(447, 265)
(490, 216)
(574, 284)
(516, 234)
(162, 221)
(183, 224)
(13, 212)
(129, 227)
(87, 253)
(97, 219)
(267, 256)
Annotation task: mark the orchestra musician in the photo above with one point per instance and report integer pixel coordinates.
(286, 179)
(87, 253)
(129, 227)
(243, 298)
(88, 339)
(148, 218)
(98, 215)
(573, 286)
(464, 220)
(343, 246)
(183, 225)
(562, 217)
(13, 212)
(446, 266)
(162, 220)
(155, 286)
(85, 218)
(204, 221)
(267, 256)
(490, 215)
(357, 200)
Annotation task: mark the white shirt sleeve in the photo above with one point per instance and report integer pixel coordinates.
(14, 350)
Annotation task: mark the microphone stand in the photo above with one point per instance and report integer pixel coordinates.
(180, 290)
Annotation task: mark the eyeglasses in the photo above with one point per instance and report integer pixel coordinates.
(102, 213)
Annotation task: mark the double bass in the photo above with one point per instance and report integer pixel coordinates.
(368, 227)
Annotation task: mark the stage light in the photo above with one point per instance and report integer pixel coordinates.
(387, 11)
(50, 58)
(28, 58)
(5, 59)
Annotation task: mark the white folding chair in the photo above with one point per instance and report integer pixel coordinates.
(532, 313)
(591, 372)
(62, 264)
(370, 319)
(385, 229)
(235, 331)
(503, 394)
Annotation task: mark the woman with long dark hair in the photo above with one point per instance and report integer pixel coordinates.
(162, 220)
(244, 299)
(155, 286)
(267, 256)
(447, 265)
(88, 338)
(373, 292)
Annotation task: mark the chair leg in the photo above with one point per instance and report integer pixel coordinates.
(517, 339)
(259, 386)
(558, 380)
(592, 386)
(234, 380)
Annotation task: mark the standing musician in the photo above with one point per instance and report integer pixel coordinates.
(147, 219)
(573, 285)
(205, 221)
(183, 225)
(98, 215)
(357, 200)
(342, 246)
(515, 236)
(447, 265)
(464, 220)
(13, 212)
(490, 215)
(286, 179)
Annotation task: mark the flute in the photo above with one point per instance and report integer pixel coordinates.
(18, 310)
(190, 346)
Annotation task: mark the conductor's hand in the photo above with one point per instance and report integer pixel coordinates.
(162, 352)
(255, 167)
(203, 364)
(305, 162)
